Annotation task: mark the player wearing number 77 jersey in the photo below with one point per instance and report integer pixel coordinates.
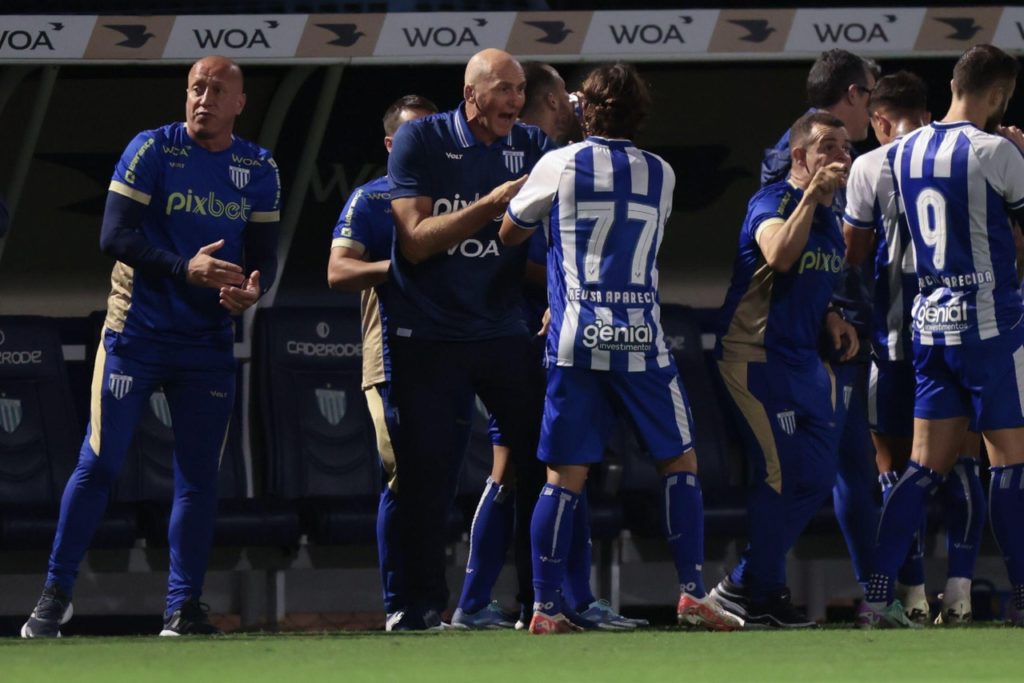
(603, 204)
(961, 188)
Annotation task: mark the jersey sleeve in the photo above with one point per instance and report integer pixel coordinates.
(354, 223)
(533, 203)
(1006, 172)
(861, 191)
(768, 209)
(668, 189)
(137, 172)
(267, 200)
(408, 167)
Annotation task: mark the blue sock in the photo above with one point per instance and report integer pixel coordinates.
(551, 533)
(911, 572)
(964, 508)
(577, 591)
(901, 518)
(1006, 510)
(856, 510)
(488, 542)
(684, 529)
(388, 551)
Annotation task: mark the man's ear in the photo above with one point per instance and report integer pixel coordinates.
(851, 92)
(798, 155)
(884, 123)
(468, 94)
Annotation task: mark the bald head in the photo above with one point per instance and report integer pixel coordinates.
(215, 97)
(486, 63)
(219, 67)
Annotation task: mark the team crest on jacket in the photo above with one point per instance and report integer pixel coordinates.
(514, 160)
(120, 385)
(239, 176)
(787, 421)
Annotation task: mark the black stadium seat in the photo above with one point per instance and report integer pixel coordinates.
(316, 436)
(39, 439)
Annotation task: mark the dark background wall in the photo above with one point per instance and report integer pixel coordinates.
(710, 121)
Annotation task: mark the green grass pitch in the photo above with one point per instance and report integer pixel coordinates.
(827, 655)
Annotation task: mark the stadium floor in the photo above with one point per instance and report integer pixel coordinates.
(989, 653)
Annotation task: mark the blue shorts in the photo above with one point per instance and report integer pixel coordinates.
(581, 404)
(891, 398)
(982, 379)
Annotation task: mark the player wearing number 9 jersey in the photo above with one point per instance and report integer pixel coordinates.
(961, 188)
(603, 204)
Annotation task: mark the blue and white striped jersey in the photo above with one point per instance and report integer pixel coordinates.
(958, 186)
(603, 204)
(873, 204)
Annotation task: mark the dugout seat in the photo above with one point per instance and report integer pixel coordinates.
(40, 439)
(315, 435)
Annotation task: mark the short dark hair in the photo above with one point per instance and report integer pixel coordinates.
(617, 101)
(800, 132)
(901, 93)
(981, 67)
(393, 114)
(540, 79)
(833, 73)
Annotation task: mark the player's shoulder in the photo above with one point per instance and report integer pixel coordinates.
(378, 185)
(158, 140)
(652, 157)
(989, 146)
(869, 164)
(376, 191)
(875, 156)
(247, 149)
(778, 190)
(777, 199)
(437, 125)
(563, 155)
